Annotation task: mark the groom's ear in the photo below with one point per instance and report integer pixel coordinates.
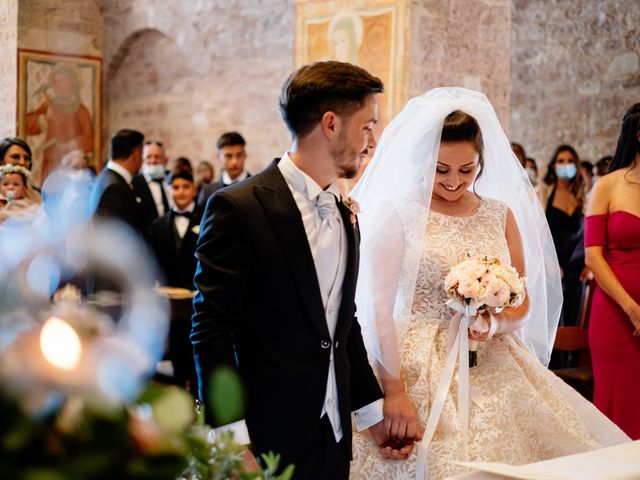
(331, 125)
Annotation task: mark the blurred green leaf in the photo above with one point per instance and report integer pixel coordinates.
(226, 394)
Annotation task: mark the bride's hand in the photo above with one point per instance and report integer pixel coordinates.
(401, 417)
(486, 335)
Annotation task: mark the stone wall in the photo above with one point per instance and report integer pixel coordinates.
(186, 72)
(574, 71)
(8, 66)
(71, 27)
(462, 43)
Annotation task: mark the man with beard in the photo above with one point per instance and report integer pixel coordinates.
(150, 186)
(277, 268)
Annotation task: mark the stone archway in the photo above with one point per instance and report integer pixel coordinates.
(141, 83)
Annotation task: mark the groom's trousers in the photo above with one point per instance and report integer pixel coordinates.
(325, 459)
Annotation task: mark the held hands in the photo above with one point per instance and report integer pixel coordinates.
(399, 430)
(390, 449)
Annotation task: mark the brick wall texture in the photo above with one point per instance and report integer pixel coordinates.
(185, 71)
(574, 72)
(8, 66)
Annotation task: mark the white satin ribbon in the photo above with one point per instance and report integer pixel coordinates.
(457, 346)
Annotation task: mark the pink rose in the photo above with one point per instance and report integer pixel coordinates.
(469, 287)
(497, 294)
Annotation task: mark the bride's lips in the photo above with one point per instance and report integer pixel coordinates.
(447, 189)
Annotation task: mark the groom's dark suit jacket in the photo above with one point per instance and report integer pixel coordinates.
(259, 302)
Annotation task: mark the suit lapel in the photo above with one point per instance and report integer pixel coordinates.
(172, 239)
(283, 214)
(190, 238)
(351, 273)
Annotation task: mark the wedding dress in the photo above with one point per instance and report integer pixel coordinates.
(519, 412)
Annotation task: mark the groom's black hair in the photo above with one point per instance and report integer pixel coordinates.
(321, 87)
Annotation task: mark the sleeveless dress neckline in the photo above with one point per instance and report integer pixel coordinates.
(528, 413)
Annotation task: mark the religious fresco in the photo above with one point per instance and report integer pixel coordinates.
(59, 108)
(373, 36)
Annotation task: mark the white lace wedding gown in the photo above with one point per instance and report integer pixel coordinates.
(527, 414)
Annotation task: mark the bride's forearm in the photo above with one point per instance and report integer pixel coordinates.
(391, 385)
(511, 319)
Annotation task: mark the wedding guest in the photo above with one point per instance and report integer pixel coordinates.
(232, 157)
(183, 163)
(520, 154)
(14, 201)
(15, 151)
(150, 185)
(601, 168)
(429, 200)
(277, 266)
(203, 176)
(586, 170)
(563, 198)
(173, 238)
(613, 254)
(112, 196)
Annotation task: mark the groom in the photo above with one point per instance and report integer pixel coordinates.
(276, 277)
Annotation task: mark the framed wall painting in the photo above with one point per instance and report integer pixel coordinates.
(370, 33)
(59, 109)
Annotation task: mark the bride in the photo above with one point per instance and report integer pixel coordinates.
(443, 185)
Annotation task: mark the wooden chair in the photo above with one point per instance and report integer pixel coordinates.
(576, 341)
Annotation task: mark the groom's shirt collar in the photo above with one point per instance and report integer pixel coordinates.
(302, 182)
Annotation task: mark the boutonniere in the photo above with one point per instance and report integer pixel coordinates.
(353, 207)
(196, 229)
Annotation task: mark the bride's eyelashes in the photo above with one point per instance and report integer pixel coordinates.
(464, 170)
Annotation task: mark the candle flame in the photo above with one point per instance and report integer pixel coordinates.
(60, 344)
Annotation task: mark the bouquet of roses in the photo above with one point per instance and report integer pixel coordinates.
(481, 283)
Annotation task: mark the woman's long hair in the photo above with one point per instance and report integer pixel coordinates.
(628, 143)
(576, 184)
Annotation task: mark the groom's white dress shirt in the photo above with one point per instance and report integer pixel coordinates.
(305, 192)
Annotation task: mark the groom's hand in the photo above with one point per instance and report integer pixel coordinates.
(390, 448)
(401, 417)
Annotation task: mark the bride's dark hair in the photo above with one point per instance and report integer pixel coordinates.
(462, 127)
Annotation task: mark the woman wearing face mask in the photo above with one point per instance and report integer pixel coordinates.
(562, 196)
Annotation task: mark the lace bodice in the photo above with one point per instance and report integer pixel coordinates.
(448, 242)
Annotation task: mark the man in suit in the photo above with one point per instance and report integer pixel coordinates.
(112, 196)
(276, 277)
(174, 235)
(173, 238)
(232, 157)
(150, 186)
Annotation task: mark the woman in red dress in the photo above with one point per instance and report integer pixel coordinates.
(612, 241)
